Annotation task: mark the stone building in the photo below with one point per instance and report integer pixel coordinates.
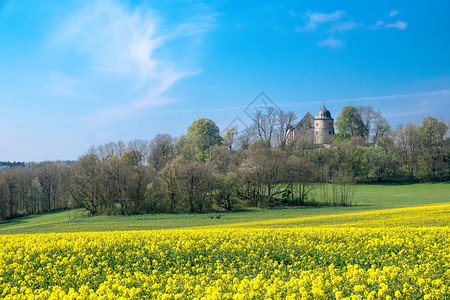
(319, 128)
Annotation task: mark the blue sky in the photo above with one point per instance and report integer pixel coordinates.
(79, 73)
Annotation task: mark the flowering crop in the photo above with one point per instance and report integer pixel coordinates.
(242, 262)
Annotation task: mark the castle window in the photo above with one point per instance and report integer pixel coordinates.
(317, 124)
(329, 132)
(329, 124)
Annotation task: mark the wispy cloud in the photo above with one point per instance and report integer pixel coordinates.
(439, 94)
(331, 42)
(340, 27)
(444, 92)
(399, 25)
(334, 23)
(393, 13)
(126, 45)
(316, 18)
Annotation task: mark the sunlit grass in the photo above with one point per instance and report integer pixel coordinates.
(366, 198)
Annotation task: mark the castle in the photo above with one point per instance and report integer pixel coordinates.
(321, 128)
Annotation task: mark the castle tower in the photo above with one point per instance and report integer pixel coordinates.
(323, 127)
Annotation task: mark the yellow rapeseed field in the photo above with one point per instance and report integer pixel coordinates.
(391, 254)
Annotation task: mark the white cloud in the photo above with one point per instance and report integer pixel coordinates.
(331, 42)
(126, 46)
(114, 39)
(399, 25)
(315, 18)
(344, 26)
(377, 25)
(393, 13)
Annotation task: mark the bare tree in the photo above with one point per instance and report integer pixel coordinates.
(162, 150)
(223, 160)
(109, 149)
(140, 149)
(369, 117)
(195, 180)
(408, 139)
(169, 175)
(226, 187)
(246, 137)
(301, 178)
(285, 123)
(266, 167)
(265, 124)
(50, 177)
(87, 183)
(383, 134)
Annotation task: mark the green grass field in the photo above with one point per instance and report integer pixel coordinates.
(367, 197)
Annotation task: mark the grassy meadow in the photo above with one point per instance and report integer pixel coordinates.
(366, 197)
(392, 244)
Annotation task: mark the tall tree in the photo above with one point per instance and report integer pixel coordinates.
(140, 149)
(87, 186)
(349, 124)
(408, 143)
(195, 181)
(381, 163)
(50, 178)
(135, 178)
(432, 133)
(301, 176)
(369, 117)
(169, 175)
(223, 160)
(226, 188)
(162, 150)
(229, 137)
(383, 133)
(266, 167)
(201, 135)
(265, 125)
(285, 123)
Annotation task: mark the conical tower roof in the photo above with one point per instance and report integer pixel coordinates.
(324, 114)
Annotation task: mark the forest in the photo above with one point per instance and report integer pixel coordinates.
(205, 170)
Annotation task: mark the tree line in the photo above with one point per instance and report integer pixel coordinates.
(258, 167)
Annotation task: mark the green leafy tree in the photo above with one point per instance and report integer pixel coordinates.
(381, 163)
(201, 135)
(350, 156)
(349, 124)
(229, 137)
